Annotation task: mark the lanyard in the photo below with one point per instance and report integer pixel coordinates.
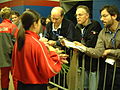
(56, 33)
(83, 32)
(113, 38)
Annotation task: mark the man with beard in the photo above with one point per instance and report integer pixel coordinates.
(108, 46)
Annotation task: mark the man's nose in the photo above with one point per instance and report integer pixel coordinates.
(77, 17)
(54, 21)
(101, 18)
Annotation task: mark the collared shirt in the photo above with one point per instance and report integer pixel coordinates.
(53, 28)
(83, 29)
(67, 30)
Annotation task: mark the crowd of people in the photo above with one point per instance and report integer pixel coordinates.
(33, 48)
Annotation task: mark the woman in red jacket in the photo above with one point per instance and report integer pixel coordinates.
(33, 62)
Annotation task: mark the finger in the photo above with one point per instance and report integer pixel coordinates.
(65, 61)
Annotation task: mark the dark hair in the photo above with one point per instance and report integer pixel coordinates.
(84, 7)
(43, 21)
(27, 18)
(49, 17)
(112, 10)
(15, 13)
(5, 13)
(62, 12)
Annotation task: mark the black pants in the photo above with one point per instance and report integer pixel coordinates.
(22, 86)
(109, 77)
(59, 80)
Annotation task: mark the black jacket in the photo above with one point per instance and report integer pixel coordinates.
(67, 29)
(89, 37)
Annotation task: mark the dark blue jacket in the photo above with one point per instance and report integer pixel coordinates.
(89, 38)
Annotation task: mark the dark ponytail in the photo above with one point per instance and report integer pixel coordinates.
(20, 38)
(27, 18)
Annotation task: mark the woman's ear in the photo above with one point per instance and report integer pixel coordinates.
(34, 25)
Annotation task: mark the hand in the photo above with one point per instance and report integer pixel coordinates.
(51, 42)
(44, 39)
(75, 50)
(61, 39)
(63, 58)
(51, 48)
(106, 52)
(58, 51)
(62, 42)
(78, 43)
(80, 46)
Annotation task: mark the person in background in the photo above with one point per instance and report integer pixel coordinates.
(15, 16)
(48, 19)
(43, 26)
(87, 31)
(33, 61)
(108, 46)
(44, 22)
(8, 33)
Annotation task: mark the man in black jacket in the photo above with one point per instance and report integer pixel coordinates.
(59, 26)
(87, 33)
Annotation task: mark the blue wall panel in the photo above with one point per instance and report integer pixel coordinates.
(97, 4)
(20, 9)
(43, 10)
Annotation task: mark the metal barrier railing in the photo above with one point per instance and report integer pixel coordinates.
(60, 80)
(71, 79)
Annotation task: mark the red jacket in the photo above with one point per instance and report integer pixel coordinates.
(8, 32)
(34, 64)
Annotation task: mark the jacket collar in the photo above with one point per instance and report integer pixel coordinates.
(81, 26)
(108, 31)
(6, 20)
(32, 34)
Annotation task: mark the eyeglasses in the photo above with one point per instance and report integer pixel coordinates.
(79, 15)
(55, 18)
(104, 15)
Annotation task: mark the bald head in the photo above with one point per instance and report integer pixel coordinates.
(58, 11)
(57, 15)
